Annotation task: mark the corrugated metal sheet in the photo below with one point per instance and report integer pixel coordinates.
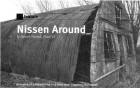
(52, 58)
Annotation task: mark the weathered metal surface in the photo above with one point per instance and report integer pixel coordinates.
(52, 58)
(56, 58)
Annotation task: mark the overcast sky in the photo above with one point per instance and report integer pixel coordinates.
(9, 8)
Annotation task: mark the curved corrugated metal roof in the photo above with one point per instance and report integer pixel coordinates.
(52, 58)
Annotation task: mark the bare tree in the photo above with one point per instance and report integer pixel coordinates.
(63, 4)
(133, 9)
(28, 10)
(84, 2)
(137, 22)
(43, 5)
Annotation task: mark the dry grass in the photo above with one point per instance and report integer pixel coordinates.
(10, 80)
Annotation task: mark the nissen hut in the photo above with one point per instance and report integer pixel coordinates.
(103, 54)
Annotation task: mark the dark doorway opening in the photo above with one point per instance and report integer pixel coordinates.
(82, 72)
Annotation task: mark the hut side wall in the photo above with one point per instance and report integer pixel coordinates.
(103, 68)
(106, 15)
(109, 16)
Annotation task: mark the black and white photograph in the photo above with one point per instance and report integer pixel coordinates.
(70, 44)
